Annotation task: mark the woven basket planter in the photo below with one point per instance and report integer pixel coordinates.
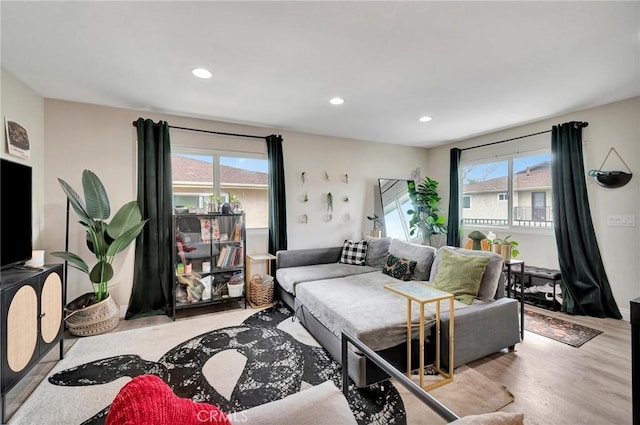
(260, 291)
(91, 320)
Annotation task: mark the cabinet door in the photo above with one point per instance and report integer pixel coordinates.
(50, 308)
(20, 329)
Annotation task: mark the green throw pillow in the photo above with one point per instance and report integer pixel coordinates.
(460, 275)
(399, 268)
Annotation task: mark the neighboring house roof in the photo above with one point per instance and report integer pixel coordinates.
(537, 176)
(189, 170)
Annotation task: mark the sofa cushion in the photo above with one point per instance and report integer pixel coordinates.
(322, 404)
(491, 277)
(289, 277)
(423, 255)
(354, 252)
(377, 250)
(399, 268)
(460, 275)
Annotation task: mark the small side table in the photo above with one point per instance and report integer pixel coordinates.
(257, 257)
(423, 294)
(508, 265)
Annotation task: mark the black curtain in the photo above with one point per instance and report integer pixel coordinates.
(586, 289)
(277, 198)
(152, 277)
(453, 222)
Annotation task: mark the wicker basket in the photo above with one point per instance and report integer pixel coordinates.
(261, 290)
(94, 319)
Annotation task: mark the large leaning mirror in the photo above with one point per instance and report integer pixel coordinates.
(395, 202)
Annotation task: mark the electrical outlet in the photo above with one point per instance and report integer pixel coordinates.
(619, 220)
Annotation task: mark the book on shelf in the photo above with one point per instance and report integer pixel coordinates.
(221, 256)
(230, 256)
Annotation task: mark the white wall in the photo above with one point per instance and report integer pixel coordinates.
(613, 125)
(26, 107)
(103, 139)
(364, 162)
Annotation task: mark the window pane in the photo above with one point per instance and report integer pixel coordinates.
(246, 178)
(532, 191)
(483, 183)
(192, 181)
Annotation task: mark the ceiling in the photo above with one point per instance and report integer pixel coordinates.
(475, 67)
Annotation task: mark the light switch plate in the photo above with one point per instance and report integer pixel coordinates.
(620, 220)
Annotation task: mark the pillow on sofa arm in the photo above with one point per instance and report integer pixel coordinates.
(460, 275)
(491, 276)
(354, 252)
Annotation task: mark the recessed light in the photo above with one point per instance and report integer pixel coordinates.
(201, 73)
(336, 101)
(426, 118)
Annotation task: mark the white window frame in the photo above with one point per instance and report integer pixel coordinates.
(509, 158)
(503, 196)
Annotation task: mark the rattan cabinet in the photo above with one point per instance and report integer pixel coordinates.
(31, 303)
(208, 260)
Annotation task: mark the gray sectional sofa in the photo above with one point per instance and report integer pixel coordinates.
(328, 296)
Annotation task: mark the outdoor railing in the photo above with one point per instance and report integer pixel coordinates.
(522, 216)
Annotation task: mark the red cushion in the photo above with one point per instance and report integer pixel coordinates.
(147, 400)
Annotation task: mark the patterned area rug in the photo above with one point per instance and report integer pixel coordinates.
(264, 356)
(558, 329)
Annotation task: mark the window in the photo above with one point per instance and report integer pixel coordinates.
(204, 178)
(512, 192)
(466, 202)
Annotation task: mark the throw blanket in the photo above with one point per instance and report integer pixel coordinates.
(361, 305)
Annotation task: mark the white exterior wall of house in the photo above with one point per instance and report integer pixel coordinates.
(252, 199)
(485, 205)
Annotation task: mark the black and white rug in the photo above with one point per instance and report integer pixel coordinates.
(262, 358)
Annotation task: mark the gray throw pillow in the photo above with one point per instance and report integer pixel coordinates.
(377, 250)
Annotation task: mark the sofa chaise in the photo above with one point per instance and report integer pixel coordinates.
(328, 296)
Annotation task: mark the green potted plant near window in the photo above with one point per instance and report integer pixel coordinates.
(426, 216)
(505, 247)
(96, 312)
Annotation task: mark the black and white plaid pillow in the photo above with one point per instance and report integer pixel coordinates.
(354, 252)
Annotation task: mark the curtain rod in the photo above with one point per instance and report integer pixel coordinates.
(213, 132)
(577, 123)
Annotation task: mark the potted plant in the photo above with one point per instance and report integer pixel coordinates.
(236, 206)
(426, 216)
(215, 201)
(377, 224)
(104, 240)
(508, 249)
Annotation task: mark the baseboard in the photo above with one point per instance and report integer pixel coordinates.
(626, 314)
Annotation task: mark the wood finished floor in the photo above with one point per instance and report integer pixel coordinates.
(552, 383)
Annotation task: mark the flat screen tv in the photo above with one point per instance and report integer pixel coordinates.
(15, 213)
